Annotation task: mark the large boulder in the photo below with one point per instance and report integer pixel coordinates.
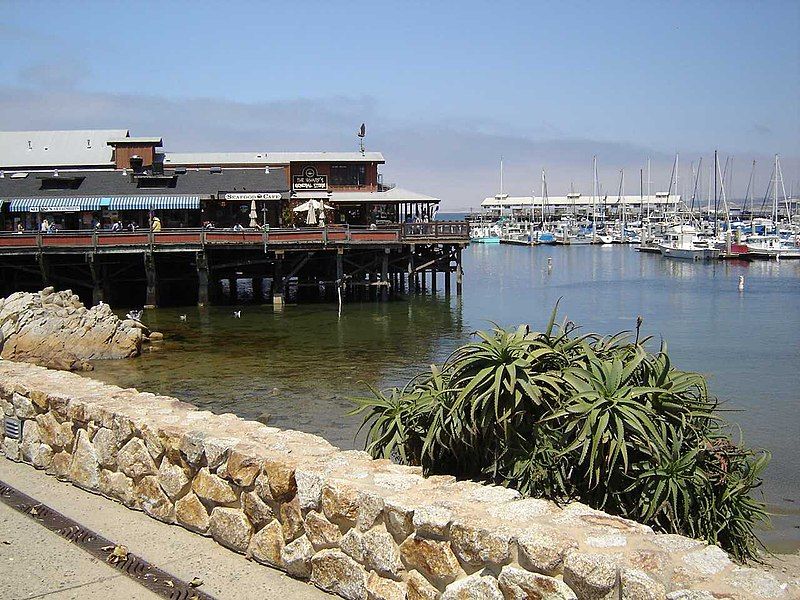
(54, 329)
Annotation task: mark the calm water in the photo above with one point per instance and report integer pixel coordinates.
(297, 368)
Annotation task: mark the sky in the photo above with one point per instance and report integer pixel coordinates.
(445, 88)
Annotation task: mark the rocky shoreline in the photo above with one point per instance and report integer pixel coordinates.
(54, 329)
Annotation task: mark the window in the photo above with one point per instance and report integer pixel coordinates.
(349, 174)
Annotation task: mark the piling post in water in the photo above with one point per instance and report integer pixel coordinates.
(385, 276)
(97, 280)
(202, 278)
(278, 283)
(447, 270)
(150, 276)
(258, 289)
(459, 273)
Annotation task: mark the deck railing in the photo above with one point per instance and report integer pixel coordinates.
(200, 238)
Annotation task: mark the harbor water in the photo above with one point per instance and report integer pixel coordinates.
(297, 368)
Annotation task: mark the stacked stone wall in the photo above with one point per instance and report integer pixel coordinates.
(354, 526)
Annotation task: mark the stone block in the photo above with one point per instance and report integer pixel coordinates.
(135, 461)
(243, 467)
(230, 527)
(173, 479)
(380, 553)
(335, 572)
(84, 468)
(399, 520)
(591, 576)
(191, 513)
(213, 489)
(153, 500)
(257, 511)
(280, 475)
(433, 558)
(478, 546)
(118, 486)
(267, 543)
(432, 521)
(420, 588)
(380, 588)
(31, 440)
(296, 557)
(321, 532)
(519, 584)
(474, 587)
(340, 503)
(542, 549)
(60, 465)
(291, 520)
(23, 407)
(638, 585)
(309, 489)
(11, 449)
(105, 443)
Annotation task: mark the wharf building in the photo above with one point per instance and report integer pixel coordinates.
(118, 219)
(580, 205)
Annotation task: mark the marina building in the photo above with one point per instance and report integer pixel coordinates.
(576, 204)
(76, 207)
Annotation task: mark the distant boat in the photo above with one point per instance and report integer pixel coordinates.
(485, 234)
(772, 246)
(682, 241)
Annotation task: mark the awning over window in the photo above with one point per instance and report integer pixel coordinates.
(155, 203)
(74, 204)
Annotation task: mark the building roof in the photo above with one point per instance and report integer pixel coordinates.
(136, 140)
(505, 201)
(114, 183)
(393, 195)
(266, 158)
(73, 148)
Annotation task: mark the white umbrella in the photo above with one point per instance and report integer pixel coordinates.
(253, 214)
(311, 207)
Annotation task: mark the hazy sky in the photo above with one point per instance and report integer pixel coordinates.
(445, 88)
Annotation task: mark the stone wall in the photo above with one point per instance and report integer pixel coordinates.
(354, 526)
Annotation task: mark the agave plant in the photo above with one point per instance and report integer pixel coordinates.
(565, 416)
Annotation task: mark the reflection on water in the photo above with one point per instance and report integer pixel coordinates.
(301, 365)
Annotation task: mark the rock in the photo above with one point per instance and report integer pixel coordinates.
(242, 467)
(379, 588)
(432, 521)
(399, 521)
(60, 465)
(432, 558)
(591, 576)
(105, 443)
(638, 585)
(135, 461)
(420, 588)
(525, 509)
(257, 511)
(309, 489)
(55, 434)
(84, 469)
(351, 544)
(23, 407)
(370, 508)
(607, 540)
(261, 487)
(296, 557)
(337, 573)
(153, 500)
(31, 440)
(542, 549)
(477, 546)
(291, 519)
(212, 488)
(155, 336)
(191, 513)
(321, 532)
(230, 527)
(519, 584)
(281, 479)
(756, 584)
(266, 544)
(11, 449)
(380, 553)
(700, 565)
(173, 479)
(340, 504)
(474, 587)
(42, 456)
(690, 595)
(118, 486)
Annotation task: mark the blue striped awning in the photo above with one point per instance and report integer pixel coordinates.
(155, 203)
(69, 204)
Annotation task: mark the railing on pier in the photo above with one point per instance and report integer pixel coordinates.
(191, 239)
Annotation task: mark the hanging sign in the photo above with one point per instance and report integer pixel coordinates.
(310, 180)
(252, 196)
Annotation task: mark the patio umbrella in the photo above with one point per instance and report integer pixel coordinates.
(253, 214)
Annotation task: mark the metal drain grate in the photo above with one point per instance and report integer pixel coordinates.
(12, 428)
(135, 567)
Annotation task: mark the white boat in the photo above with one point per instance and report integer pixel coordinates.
(772, 246)
(682, 241)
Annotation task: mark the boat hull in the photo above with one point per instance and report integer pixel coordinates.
(689, 253)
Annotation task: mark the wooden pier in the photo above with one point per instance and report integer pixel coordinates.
(184, 266)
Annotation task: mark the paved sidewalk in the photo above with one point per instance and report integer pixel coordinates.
(40, 564)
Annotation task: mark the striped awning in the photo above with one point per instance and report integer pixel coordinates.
(69, 204)
(155, 203)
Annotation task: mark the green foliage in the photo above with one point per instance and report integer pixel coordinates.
(578, 417)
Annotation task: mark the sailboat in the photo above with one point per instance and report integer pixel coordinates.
(487, 232)
(775, 246)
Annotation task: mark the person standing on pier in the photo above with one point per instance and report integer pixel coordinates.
(156, 226)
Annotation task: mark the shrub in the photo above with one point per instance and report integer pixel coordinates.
(570, 416)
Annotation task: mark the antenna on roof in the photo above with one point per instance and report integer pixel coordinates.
(30, 147)
(88, 143)
(362, 131)
(266, 170)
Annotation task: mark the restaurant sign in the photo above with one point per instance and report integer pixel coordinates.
(55, 209)
(310, 180)
(252, 196)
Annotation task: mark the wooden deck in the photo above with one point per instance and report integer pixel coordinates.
(194, 240)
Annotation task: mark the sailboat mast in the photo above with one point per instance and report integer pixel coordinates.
(594, 196)
(648, 187)
(716, 170)
(622, 199)
(775, 197)
(501, 175)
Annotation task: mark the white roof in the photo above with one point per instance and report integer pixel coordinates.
(392, 195)
(73, 148)
(503, 201)
(266, 158)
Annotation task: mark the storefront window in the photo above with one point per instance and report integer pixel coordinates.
(348, 175)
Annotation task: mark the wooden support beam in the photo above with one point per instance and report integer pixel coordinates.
(385, 276)
(151, 299)
(98, 295)
(202, 278)
(459, 272)
(44, 270)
